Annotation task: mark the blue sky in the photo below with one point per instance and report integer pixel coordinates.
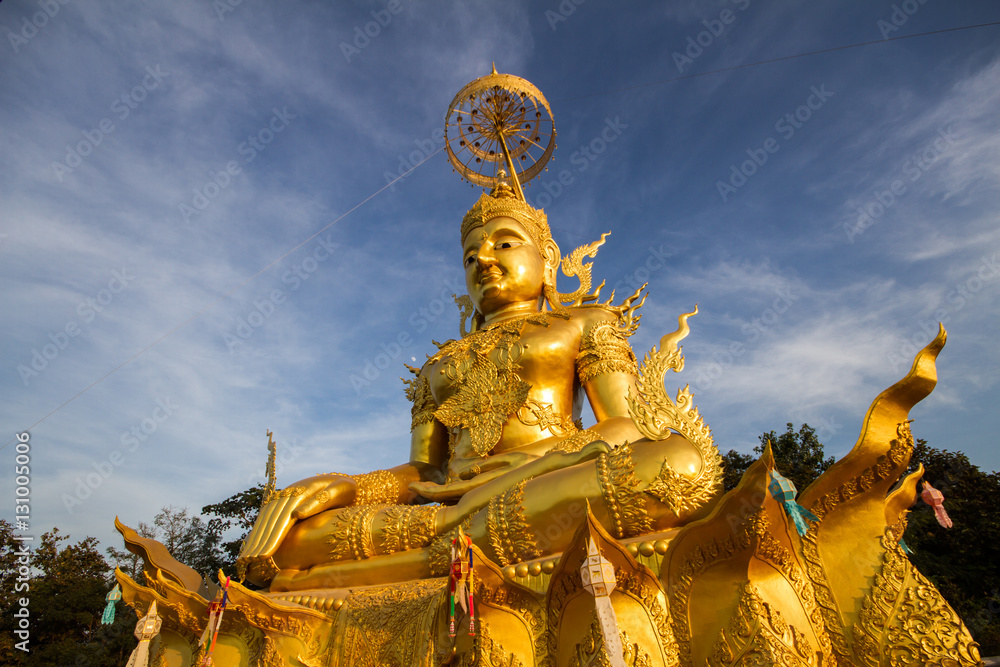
(161, 164)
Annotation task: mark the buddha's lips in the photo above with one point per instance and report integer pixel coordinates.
(490, 275)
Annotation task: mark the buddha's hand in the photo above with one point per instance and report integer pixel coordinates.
(514, 467)
(299, 501)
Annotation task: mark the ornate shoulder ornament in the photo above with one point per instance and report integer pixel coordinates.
(656, 416)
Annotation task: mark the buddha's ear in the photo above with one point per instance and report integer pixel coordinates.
(550, 254)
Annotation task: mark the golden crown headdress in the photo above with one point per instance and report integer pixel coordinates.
(503, 201)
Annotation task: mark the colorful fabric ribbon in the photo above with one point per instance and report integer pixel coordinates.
(784, 491)
(904, 547)
(460, 581)
(113, 596)
(935, 499)
(216, 608)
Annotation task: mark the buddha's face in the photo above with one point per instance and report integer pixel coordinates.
(502, 265)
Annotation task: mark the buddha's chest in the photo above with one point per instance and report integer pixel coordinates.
(532, 357)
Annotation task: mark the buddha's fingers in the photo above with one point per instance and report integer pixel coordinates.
(508, 460)
(272, 524)
(588, 452)
(454, 490)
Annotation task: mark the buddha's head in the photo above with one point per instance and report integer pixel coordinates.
(507, 252)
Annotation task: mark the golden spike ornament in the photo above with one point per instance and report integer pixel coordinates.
(271, 470)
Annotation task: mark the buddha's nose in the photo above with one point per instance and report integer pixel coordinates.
(486, 256)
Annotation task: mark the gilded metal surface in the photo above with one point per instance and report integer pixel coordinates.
(377, 487)
(407, 527)
(390, 625)
(758, 635)
(497, 121)
(619, 487)
(605, 349)
(905, 621)
(573, 266)
(507, 529)
(656, 416)
(497, 448)
(591, 653)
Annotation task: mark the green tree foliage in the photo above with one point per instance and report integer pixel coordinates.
(962, 561)
(238, 511)
(66, 589)
(797, 456)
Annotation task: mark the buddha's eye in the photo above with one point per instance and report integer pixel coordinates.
(504, 245)
(469, 260)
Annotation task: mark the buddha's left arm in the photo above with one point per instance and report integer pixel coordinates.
(606, 367)
(607, 394)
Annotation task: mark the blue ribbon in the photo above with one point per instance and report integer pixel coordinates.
(798, 515)
(108, 617)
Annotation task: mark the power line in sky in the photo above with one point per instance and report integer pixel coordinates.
(414, 167)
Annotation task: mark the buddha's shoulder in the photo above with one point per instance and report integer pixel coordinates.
(589, 316)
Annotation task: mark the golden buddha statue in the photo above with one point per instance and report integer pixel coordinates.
(355, 564)
(496, 442)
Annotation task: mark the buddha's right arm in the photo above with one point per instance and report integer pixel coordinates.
(306, 498)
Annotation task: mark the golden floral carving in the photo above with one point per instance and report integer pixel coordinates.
(758, 635)
(418, 392)
(388, 625)
(407, 527)
(749, 534)
(618, 484)
(439, 555)
(543, 416)
(488, 652)
(656, 416)
(591, 653)
(604, 349)
(484, 366)
(351, 533)
(577, 441)
(573, 265)
(507, 528)
(900, 449)
(833, 621)
(905, 621)
(378, 487)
